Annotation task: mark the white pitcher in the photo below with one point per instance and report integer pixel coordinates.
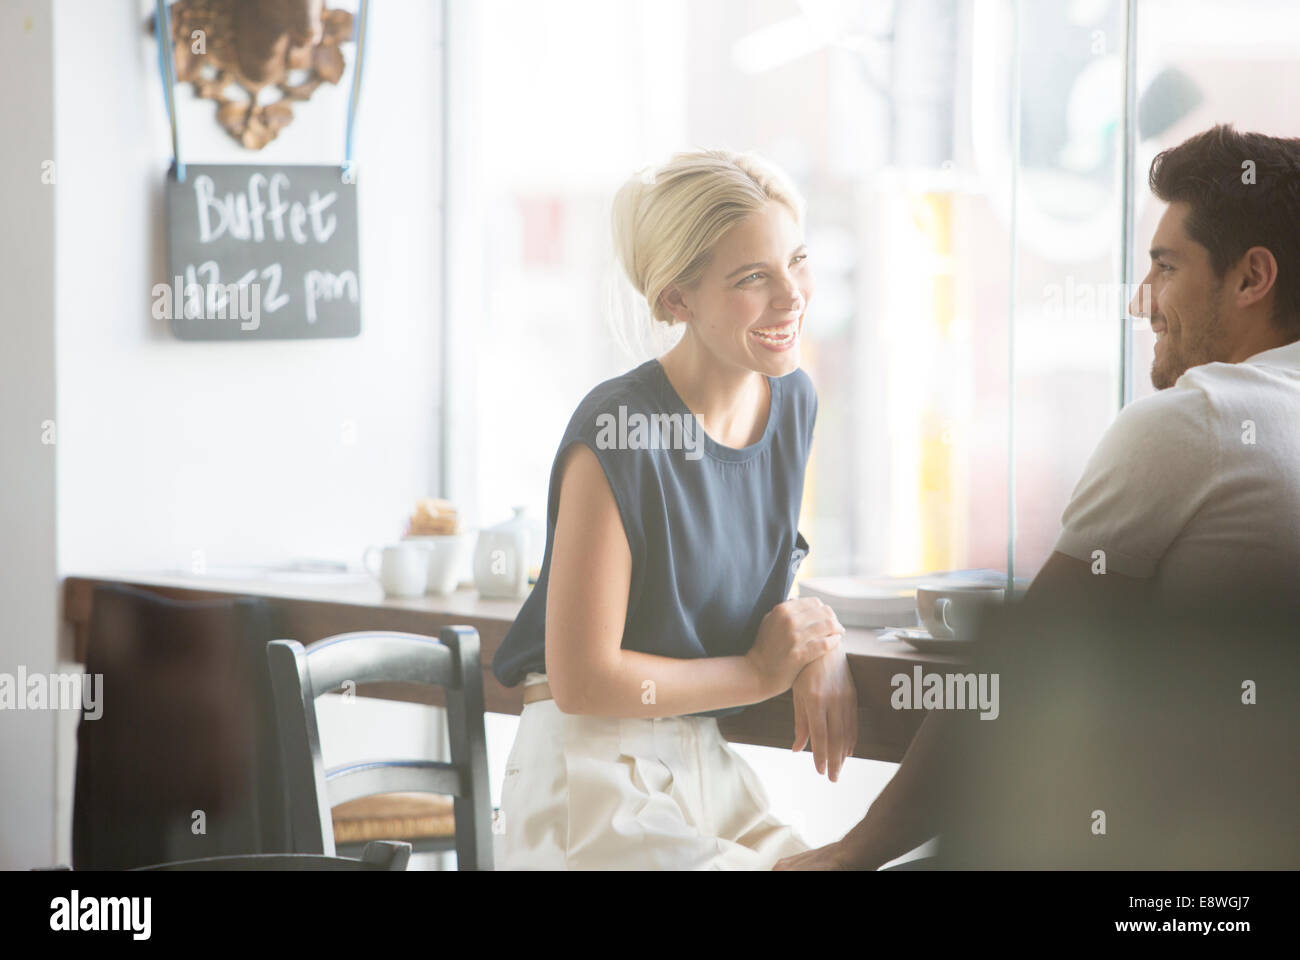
(501, 558)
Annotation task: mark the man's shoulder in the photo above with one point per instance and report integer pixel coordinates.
(1262, 386)
(1214, 381)
(1209, 400)
(1181, 412)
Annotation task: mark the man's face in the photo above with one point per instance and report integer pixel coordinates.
(1185, 302)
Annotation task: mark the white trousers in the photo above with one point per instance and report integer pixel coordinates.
(610, 793)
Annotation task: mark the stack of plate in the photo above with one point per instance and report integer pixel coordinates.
(876, 602)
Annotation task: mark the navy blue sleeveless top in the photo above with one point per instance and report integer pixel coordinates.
(713, 530)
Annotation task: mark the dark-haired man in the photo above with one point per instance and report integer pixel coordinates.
(1196, 489)
(1193, 493)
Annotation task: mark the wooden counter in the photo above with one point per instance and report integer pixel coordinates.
(309, 611)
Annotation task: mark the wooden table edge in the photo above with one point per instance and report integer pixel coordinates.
(883, 732)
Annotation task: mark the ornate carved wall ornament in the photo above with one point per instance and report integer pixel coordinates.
(241, 53)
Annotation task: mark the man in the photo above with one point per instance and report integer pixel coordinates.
(1193, 494)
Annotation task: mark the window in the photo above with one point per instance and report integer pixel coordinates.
(1201, 63)
(963, 164)
(895, 120)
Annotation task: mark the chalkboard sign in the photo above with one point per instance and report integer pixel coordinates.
(261, 253)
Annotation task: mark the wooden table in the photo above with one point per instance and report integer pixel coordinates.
(306, 612)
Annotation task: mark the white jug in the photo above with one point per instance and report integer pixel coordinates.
(501, 558)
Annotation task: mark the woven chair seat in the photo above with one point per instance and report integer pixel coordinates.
(394, 816)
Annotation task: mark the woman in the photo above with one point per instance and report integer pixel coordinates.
(671, 547)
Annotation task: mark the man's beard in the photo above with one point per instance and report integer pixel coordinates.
(1201, 347)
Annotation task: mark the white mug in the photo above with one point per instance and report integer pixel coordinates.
(446, 555)
(950, 611)
(402, 568)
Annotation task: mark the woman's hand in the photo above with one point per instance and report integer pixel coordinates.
(826, 709)
(791, 635)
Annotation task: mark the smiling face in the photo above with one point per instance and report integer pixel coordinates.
(1186, 302)
(747, 309)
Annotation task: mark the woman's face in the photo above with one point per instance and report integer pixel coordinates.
(748, 307)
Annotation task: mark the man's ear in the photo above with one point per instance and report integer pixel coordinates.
(1258, 275)
(675, 303)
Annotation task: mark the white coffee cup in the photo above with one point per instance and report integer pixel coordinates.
(402, 568)
(447, 555)
(949, 612)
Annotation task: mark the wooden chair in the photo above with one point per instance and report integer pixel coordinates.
(380, 855)
(431, 804)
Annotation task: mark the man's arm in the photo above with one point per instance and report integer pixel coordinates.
(1067, 582)
(905, 815)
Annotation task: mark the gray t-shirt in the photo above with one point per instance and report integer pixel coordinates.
(713, 530)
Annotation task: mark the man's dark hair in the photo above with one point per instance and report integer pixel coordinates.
(1229, 216)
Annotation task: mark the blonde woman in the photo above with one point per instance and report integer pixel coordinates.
(672, 541)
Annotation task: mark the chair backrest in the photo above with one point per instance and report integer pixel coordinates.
(384, 855)
(187, 724)
(299, 675)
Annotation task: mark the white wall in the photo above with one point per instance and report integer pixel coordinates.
(233, 452)
(28, 583)
(237, 449)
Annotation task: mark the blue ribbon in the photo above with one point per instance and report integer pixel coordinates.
(349, 170)
(162, 26)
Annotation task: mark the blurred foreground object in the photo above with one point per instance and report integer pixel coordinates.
(1131, 739)
(184, 762)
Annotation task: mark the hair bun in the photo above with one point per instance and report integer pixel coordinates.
(667, 219)
(625, 218)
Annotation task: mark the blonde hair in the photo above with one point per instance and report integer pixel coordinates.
(667, 221)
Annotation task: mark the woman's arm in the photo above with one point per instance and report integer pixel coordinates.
(586, 606)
